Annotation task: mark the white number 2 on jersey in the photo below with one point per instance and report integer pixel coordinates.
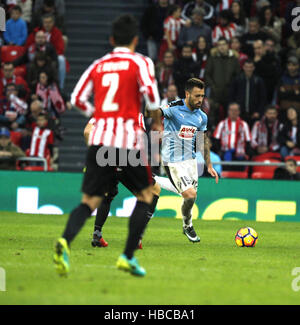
(110, 80)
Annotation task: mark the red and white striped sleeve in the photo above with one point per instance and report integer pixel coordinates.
(83, 90)
(218, 130)
(247, 131)
(216, 34)
(142, 121)
(254, 133)
(148, 84)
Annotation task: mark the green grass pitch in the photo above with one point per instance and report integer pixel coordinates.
(215, 271)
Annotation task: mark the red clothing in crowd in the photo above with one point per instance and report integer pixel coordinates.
(55, 37)
(40, 142)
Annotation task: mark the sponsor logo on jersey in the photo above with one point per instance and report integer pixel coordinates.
(187, 132)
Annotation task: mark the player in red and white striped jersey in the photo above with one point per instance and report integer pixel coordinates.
(103, 210)
(117, 81)
(233, 133)
(224, 29)
(42, 138)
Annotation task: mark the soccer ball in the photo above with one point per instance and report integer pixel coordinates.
(246, 237)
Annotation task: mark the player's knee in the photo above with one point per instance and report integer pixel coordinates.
(189, 194)
(145, 195)
(92, 201)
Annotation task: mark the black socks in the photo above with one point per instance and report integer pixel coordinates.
(76, 220)
(137, 224)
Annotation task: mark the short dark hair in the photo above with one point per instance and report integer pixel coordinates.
(16, 8)
(172, 9)
(187, 45)
(124, 29)
(235, 103)
(222, 38)
(254, 19)
(194, 82)
(292, 160)
(7, 63)
(44, 115)
(269, 107)
(49, 3)
(249, 61)
(48, 15)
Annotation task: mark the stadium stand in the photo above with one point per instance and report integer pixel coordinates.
(260, 34)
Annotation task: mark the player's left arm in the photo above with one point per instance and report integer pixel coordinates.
(208, 163)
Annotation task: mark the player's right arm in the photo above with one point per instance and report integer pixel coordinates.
(88, 129)
(82, 92)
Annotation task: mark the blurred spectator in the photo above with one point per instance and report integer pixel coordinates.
(185, 68)
(172, 27)
(164, 72)
(59, 6)
(235, 45)
(289, 86)
(8, 151)
(36, 107)
(289, 172)
(190, 34)
(152, 26)
(232, 136)
(26, 7)
(221, 68)
(289, 134)
(272, 48)
(249, 91)
(267, 67)
(254, 33)
(9, 77)
(55, 37)
(12, 108)
(49, 93)
(42, 139)
(48, 7)
(225, 28)
(201, 54)
(16, 28)
(199, 4)
(239, 17)
(40, 45)
(40, 63)
(171, 95)
(270, 24)
(293, 43)
(264, 132)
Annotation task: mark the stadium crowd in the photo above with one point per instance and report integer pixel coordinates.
(248, 56)
(245, 51)
(32, 76)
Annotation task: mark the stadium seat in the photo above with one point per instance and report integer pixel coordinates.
(267, 155)
(234, 174)
(262, 175)
(11, 52)
(264, 168)
(34, 168)
(16, 138)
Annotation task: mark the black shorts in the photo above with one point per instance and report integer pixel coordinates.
(99, 181)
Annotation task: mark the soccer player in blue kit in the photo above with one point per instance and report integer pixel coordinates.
(185, 126)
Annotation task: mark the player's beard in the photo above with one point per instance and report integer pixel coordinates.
(193, 106)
